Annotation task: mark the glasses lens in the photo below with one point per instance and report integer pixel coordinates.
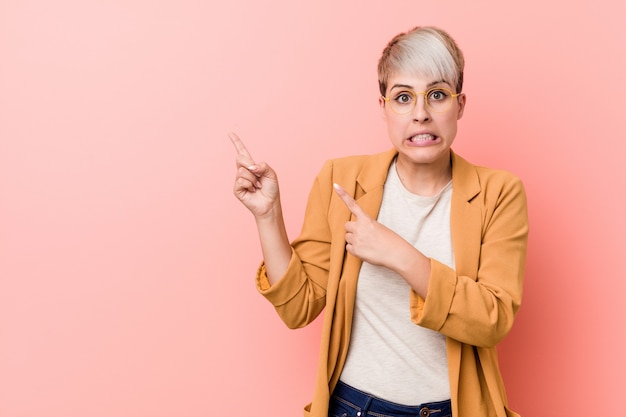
(403, 102)
(439, 99)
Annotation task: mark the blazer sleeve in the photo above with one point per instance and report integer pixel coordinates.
(300, 295)
(479, 309)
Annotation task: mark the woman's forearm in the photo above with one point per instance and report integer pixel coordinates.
(274, 243)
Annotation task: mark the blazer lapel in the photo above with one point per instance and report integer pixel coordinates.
(368, 194)
(465, 217)
(466, 229)
(368, 189)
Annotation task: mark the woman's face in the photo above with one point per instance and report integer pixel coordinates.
(422, 137)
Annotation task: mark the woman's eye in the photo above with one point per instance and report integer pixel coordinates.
(404, 98)
(437, 95)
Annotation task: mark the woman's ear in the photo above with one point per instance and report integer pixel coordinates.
(462, 100)
(382, 103)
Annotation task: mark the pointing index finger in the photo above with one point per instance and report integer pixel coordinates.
(350, 202)
(241, 148)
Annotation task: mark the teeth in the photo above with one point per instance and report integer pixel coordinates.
(422, 137)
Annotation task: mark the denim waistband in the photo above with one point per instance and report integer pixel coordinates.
(364, 405)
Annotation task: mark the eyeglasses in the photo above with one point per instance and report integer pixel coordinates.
(437, 99)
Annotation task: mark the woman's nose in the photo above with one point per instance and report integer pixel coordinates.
(420, 111)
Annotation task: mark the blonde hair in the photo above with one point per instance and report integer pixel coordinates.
(424, 51)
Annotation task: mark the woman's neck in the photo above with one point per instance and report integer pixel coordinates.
(424, 179)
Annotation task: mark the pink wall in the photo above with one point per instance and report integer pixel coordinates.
(126, 265)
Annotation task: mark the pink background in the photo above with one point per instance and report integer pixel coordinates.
(126, 265)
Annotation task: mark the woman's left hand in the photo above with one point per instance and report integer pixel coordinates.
(368, 239)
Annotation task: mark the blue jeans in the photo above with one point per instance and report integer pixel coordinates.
(349, 402)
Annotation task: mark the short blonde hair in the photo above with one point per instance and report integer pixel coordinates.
(424, 51)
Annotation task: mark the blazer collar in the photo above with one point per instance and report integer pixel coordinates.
(371, 180)
(464, 178)
(374, 174)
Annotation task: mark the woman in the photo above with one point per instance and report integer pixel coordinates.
(416, 255)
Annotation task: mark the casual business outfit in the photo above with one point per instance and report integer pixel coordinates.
(472, 298)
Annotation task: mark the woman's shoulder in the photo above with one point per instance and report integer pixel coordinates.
(484, 184)
(368, 171)
(496, 174)
(360, 160)
(483, 173)
(355, 164)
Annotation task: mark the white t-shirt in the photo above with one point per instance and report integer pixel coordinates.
(389, 356)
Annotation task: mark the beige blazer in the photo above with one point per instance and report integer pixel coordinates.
(474, 305)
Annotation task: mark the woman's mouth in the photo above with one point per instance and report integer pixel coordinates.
(422, 137)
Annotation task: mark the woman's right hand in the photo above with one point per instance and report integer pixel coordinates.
(256, 184)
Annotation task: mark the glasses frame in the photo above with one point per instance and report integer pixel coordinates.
(425, 94)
